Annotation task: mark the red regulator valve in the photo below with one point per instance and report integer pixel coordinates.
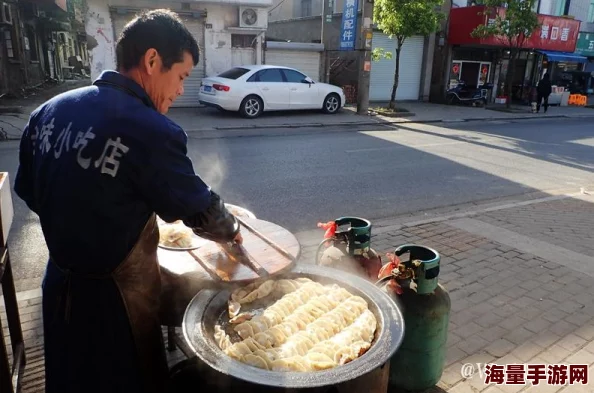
(330, 227)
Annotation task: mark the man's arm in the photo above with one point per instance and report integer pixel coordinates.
(23, 183)
(176, 192)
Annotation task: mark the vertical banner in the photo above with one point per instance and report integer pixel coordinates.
(348, 27)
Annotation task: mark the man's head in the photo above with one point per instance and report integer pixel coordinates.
(157, 51)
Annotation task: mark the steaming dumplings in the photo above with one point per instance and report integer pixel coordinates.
(176, 234)
(310, 327)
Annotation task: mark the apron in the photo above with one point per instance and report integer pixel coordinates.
(138, 280)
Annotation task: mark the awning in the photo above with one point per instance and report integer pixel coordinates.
(564, 56)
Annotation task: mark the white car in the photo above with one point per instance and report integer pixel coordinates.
(254, 89)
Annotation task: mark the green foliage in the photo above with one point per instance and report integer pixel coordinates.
(379, 53)
(512, 26)
(405, 18)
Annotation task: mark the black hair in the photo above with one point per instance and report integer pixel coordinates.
(161, 30)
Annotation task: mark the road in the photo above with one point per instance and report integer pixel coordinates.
(299, 180)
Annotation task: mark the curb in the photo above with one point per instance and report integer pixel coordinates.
(383, 122)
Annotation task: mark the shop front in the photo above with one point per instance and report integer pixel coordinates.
(585, 47)
(549, 48)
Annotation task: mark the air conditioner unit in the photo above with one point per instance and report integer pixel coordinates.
(6, 14)
(253, 17)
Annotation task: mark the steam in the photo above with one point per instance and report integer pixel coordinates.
(211, 165)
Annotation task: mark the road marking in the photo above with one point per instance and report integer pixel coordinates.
(403, 146)
(550, 252)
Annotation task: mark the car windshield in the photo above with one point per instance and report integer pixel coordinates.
(233, 73)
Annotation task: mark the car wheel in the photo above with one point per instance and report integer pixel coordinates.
(331, 103)
(251, 107)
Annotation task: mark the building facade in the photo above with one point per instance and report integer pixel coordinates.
(229, 34)
(552, 47)
(302, 21)
(36, 41)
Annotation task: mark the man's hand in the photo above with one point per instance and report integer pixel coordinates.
(238, 238)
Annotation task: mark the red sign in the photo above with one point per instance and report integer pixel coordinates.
(554, 33)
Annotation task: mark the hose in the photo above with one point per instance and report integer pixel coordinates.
(317, 258)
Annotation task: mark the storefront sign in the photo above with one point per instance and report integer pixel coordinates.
(585, 44)
(554, 33)
(348, 27)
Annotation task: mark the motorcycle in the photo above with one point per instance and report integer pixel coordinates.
(462, 94)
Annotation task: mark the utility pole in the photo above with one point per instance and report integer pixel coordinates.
(365, 57)
(327, 12)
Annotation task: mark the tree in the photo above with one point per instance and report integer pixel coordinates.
(403, 19)
(512, 26)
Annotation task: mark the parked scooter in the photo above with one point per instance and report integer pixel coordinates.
(462, 94)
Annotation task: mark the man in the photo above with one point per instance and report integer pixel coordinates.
(543, 90)
(96, 164)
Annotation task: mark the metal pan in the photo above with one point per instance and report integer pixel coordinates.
(208, 306)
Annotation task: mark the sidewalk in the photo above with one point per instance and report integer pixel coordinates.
(208, 119)
(520, 277)
(210, 123)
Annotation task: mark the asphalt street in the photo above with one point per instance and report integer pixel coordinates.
(298, 180)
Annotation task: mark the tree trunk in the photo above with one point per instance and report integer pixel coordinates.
(396, 76)
(510, 76)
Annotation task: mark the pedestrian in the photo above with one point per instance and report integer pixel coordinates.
(97, 164)
(544, 91)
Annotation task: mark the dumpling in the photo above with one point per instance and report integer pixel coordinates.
(272, 316)
(259, 324)
(255, 361)
(266, 288)
(360, 347)
(233, 308)
(303, 280)
(244, 316)
(250, 297)
(295, 363)
(268, 357)
(252, 344)
(222, 339)
(244, 330)
(264, 339)
(320, 361)
(242, 292)
(344, 355)
(285, 286)
(278, 335)
(289, 327)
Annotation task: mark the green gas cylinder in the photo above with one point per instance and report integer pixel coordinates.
(419, 362)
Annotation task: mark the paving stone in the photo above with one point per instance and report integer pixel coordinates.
(500, 347)
(518, 336)
(562, 328)
(571, 342)
(527, 351)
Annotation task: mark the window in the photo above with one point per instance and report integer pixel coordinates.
(234, 73)
(306, 9)
(591, 12)
(560, 10)
(32, 37)
(268, 75)
(243, 40)
(294, 76)
(11, 51)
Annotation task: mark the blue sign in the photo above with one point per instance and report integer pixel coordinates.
(348, 28)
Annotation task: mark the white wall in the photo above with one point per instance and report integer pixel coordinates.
(217, 40)
(101, 45)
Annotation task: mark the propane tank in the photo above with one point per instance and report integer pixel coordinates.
(419, 362)
(347, 246)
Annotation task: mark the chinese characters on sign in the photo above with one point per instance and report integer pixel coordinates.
(535, 374)
(108, 161)
(585, 44)
(348, 28)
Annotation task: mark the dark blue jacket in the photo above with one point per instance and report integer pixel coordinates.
(95, 163)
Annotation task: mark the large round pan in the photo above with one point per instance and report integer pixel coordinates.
(207, 307)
